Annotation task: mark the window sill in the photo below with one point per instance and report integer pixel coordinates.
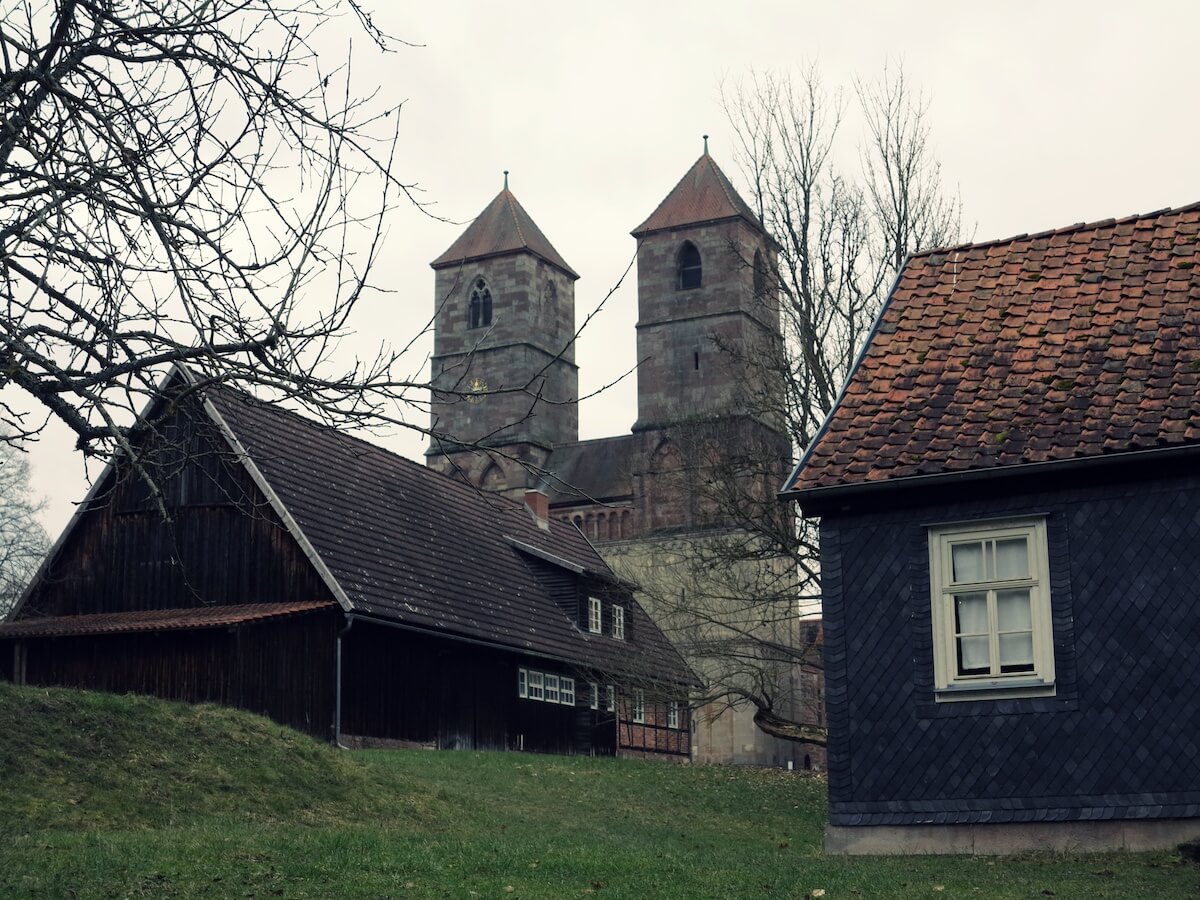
(996, 689)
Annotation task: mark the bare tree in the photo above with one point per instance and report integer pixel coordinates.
(842, 237)
(188, 182)
(23, 542)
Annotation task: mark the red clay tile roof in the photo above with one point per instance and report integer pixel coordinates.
(1067, 344)
(502, 228)
(156, 619)
(704, 194)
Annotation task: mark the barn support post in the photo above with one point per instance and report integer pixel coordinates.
(337, 697)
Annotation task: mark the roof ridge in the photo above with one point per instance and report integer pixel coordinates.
(734, 199)
(1064, 229)
(509, 200)
(347, 436)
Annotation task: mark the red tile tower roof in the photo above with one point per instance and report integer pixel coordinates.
(704, 194)
(502, 228)
(1076, 343)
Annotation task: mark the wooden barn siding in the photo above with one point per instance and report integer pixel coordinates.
(223, 546)
(283, 669)
(1122, 737)
(408, 686)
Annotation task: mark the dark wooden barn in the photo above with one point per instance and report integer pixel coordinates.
(343, 590)
(1009, 501)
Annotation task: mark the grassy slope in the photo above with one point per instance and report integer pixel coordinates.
(120, 796)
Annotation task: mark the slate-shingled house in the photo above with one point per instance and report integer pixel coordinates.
(1009, 496)
(346, 591)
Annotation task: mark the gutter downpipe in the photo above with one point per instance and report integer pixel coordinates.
(337, 699)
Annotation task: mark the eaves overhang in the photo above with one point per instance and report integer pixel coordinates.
(813, 501)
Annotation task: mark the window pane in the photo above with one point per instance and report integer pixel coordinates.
(973, 656)
(970, 613)
(1016, 652)
(968, 561)
(1012, 558)
(1012, 610)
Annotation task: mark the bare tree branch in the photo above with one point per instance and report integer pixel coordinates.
(842, 237)
(190, 183)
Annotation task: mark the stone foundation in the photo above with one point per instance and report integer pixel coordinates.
(1013, 837)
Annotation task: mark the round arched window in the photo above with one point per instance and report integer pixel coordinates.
(690, 268)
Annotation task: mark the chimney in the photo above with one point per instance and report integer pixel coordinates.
(539, 505)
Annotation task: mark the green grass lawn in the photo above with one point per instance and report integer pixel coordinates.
(127, 797)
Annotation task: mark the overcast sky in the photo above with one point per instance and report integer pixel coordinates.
(1041, 114)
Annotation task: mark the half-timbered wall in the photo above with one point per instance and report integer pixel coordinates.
(653, 735)
(1121, 736)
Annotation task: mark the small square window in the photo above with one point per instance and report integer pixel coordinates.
(536, 691)
(639, 705)
(594, 690)
(673, 714)
(618, 622)
(992, 627)
(566, 690)
(551, 688)
(610, 698)
(594, 610)
(522, 683)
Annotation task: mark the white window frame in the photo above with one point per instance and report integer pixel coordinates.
(566, 690)
(673, 714)
(552, 690)
(610, 698)
(618, 622)
(595, 610)
(595, 695)
(536, 687)
(639, 706)
(523, 683)
(949, 684)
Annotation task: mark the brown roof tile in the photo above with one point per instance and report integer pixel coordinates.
(413, 546)
(1066, 344)
(704, 194)
(502, 228)
(156, 619)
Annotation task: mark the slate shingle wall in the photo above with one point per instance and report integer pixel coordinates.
(1121, 738)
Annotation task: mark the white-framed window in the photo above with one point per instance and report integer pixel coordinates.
(566, 690)
(594, 691)
(551, 688)
(992, 627)
(673, 714)
(618, 614)
(610, 698)
(639, 705)
(522, 683)
(536, 690)
(594, 610)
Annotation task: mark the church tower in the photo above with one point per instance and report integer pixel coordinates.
(703, 304)
(504, 374)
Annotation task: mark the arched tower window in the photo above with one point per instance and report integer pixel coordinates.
(689, 267)
(481, 304)
(760, 275)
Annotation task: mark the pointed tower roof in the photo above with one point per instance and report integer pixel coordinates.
(502, 228)
(704, 194)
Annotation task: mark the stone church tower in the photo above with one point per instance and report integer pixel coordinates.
(504, 374)
(699, 300)
(505, 317)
